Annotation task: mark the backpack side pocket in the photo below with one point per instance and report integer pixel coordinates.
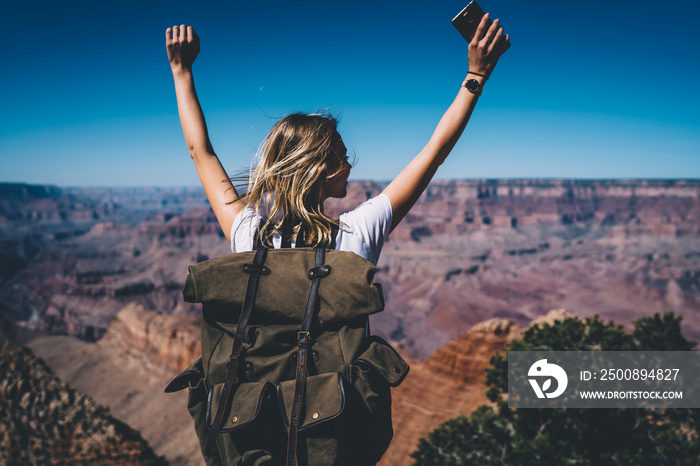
(383, 359)
(374, 372)
(193, 379)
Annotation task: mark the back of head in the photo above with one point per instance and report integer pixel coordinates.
(297, 157)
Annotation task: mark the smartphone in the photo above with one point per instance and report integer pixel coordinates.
(468, 20)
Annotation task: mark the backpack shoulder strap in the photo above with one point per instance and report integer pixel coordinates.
(287, 236)
(304, 340)
(260, 239)
(255, 269)
(259, 236)
(286, 233)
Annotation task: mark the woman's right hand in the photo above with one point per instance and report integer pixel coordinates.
(485, 52)
(183, 46)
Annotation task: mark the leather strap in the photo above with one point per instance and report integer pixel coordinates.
(303, 337)
(255, 270)
(286, 233)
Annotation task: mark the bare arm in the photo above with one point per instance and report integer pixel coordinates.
(406, 188)
(183, 46)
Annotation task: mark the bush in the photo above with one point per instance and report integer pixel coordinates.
(506, 436)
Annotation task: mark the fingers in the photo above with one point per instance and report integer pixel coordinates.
(491, 33)
(506, 44)
(495, 41)
(192, 36)
(180, 33)
(494, 27)
(501, 45)
(482, 26)
(172, 34)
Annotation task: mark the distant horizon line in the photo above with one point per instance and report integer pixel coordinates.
(439, 180)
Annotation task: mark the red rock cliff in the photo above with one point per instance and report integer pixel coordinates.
(162, 343)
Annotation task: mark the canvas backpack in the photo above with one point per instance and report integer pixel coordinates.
(288, 373)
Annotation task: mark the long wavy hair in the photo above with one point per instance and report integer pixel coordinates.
(287, 177)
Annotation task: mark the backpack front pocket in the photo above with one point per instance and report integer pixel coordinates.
(324, 400)
(248, 402)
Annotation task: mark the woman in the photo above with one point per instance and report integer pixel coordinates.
(303, 162)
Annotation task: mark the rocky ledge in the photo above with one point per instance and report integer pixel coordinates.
(45, 421)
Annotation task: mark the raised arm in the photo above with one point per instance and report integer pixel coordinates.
(406, 188)
(183, 47)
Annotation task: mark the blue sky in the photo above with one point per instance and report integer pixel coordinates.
(587, 90)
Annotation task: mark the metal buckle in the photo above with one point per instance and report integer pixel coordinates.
(303, 334)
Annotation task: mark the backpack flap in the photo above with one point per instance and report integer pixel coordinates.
(383, 359)
(347, 293)
(246, 404)
(324, 399)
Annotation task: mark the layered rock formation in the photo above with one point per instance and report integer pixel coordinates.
(162, 344)
(472, 250)
(448, 384)
(33, 216)
(77, 286)
(128, 370)
(469, 251)
(45, 421)
(466, 357)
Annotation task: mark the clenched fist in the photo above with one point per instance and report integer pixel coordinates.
(183, 46)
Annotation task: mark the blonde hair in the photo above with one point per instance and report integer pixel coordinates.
(292, 164)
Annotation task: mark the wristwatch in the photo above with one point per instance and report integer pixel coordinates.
(473, 86)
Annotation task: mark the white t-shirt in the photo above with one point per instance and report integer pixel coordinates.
(362, 230)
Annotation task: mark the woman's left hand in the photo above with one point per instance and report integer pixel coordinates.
(182, 44)
(485, 52)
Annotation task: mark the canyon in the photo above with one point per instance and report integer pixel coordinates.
(469, 250)
(91, 279)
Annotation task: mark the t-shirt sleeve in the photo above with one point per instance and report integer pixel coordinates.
(242, 231)
(370, 223)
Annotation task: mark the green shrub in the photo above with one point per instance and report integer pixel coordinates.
(595, 437)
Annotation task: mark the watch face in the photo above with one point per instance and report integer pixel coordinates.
(473, 85)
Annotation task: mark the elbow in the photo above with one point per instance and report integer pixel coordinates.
(193, 152)
(441, 153)
(442, 156)
(197, 152)
(435, 154)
